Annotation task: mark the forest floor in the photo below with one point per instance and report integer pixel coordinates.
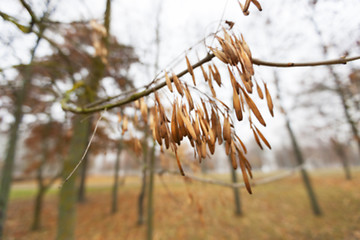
(193, 210)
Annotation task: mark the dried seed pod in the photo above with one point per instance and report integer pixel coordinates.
(257, 4)
(234, 83)
(242, 144)
(203, 149)
(253, 107)
(211, 86)
(211, 148)
(174, 126)
(243, 170)
(269, 100)
(124, 125)
(190, 69)
(189, 98)
(259, 91)
(188, 125)
(245, 47)
(178, 85)
(168, 82)
(143, 109)
(227, 148)
(220, 55)
(237, 105)
(262, 137)
(196, 126)
(257, 138)
(227, 130)
(206, 77)
(233, 155)
(217, 76)
(167, 141)
(205, 110)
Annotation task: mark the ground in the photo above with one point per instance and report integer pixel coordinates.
(277, 210)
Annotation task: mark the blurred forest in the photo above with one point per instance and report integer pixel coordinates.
(154, 120)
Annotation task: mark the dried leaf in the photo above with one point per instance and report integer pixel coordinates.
(124, 125)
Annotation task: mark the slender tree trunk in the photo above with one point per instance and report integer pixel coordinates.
(38, 209)
(83, 174)
(150, 213)
(116, 179)
(341, 93)
(299, 157)
(68, 196)
(339, 149)
(237, 201)
(141, 197)
(40, 179)
(7, 171)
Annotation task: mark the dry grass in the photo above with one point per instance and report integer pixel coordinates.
(278, 210)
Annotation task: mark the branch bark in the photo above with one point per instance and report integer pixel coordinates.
(206, 59)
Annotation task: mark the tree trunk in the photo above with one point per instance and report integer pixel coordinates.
(116, 179)
(339, 149)
(83, 174)
(238, 211)
(40, 179)
(38, 209)
(7, 171)
(299, 157)
(150, 213)
(68, 196)
(141, 197)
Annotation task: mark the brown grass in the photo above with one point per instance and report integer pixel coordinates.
(278, 210)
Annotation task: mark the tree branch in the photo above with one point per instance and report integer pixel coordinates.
(206, 59)
(260, 181)
(304, 64)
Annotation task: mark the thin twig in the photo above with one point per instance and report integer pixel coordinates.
(237, 185)
(86, 150)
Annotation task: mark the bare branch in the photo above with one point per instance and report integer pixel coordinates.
(206, 59)
(260, 181)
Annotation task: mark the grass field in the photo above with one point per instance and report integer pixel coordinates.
(278, 210)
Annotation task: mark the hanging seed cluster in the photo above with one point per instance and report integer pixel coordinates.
(245, 7)
(209, 122)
